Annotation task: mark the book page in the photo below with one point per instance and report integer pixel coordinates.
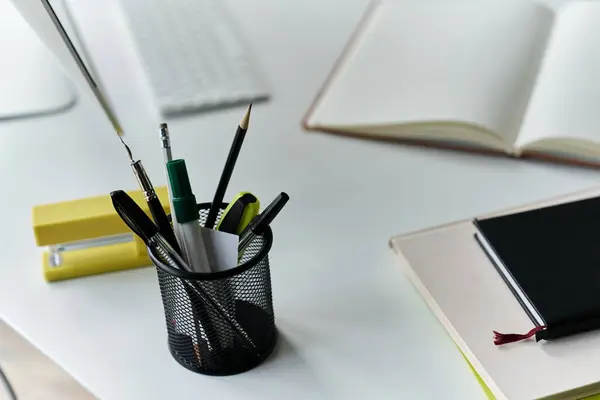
(460, 61)
(565, 102)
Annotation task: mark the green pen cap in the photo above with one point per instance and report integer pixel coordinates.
(184, 201)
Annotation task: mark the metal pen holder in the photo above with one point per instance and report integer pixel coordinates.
(220, 323)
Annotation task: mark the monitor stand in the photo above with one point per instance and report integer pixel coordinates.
(31, 80)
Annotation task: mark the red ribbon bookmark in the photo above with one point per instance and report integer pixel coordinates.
(504, 338)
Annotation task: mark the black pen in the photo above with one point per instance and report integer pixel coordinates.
(234, 151)
(258, 225)
(154, 204)
(137, 220)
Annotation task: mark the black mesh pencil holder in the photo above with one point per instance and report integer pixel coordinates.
(220, 323)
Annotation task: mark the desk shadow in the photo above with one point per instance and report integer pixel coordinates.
(284, 351)
(34, 114)
(285, 364)
(564, 346)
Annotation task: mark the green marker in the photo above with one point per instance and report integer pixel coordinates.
(195, 249)
(187, 216)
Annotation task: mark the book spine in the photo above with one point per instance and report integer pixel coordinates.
(557, 331)
(526, 307)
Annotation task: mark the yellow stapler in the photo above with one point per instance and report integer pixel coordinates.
(87, 237)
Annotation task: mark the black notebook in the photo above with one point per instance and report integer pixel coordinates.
(550, 259)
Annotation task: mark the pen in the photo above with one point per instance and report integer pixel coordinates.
(137, 220)
(207, 298)
(194, 250)
(234, 151)
(186, 212)
(262, 221)
(156, 208)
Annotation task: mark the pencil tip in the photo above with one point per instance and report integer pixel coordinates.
(246, 119)
(163, 125)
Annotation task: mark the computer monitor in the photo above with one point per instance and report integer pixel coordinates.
(42, 18)
(32, 83)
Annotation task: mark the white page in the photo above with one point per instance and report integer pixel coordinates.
(221, 248)
(467, 61)
(565, 101)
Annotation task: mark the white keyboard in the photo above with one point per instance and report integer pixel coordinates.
(193, 55)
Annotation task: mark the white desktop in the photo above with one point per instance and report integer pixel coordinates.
(351, 325)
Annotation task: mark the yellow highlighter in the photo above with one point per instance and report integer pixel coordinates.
(87, 237)
(238, 214)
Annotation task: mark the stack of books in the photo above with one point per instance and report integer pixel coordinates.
(518, 292)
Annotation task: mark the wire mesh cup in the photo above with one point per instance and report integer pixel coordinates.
(220, 323)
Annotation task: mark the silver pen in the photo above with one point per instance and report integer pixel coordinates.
(154, 204)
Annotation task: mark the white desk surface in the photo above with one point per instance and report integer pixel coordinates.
(351, 325)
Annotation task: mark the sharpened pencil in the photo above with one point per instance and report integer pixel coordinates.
(234, 151)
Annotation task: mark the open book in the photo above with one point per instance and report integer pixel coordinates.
(511, 76)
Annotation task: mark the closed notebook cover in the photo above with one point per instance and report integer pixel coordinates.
(553, 255)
